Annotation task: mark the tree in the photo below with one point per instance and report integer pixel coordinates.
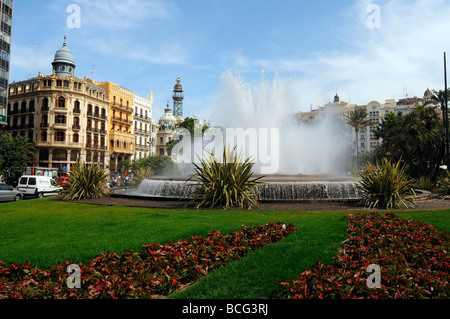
(188, 123)
(15, 153)
(158, 164)
(417, 138)
(357, 119)
(438, 98)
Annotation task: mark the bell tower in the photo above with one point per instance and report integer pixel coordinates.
(178, 99)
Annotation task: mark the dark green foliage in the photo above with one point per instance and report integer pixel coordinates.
(225, 184)
(159, 164)
(15, 153)
(357, 119)
(188, 123)
(386, 185)
(85, 182)
(412, 255)
(418, 138)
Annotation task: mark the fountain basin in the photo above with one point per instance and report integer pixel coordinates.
(279, 188)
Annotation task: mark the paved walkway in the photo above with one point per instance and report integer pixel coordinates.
(429, 203)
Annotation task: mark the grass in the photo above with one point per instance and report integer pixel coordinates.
(45, 232)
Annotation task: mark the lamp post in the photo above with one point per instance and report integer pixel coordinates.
(446, 113)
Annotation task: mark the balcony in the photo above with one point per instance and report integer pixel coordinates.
(44, 125)
(76, 127)
(122, 120)
(45, 109)
(76, 111)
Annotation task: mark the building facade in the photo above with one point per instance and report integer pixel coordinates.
(376, 111)
(143, 126)
(5, 51)
(120, 123)
(166, 125)
(64, 116)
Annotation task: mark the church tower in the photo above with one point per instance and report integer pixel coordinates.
(178, 100)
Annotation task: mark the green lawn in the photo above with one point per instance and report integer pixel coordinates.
(45, 232)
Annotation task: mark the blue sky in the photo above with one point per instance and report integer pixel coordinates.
(322, 46)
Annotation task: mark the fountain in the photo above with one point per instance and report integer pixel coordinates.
(306, 162)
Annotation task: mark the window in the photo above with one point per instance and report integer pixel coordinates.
(44, 137)
(161, 139)
(76, 138)
(44, 102)
(32, 181)
(61, 102)
(60, 136)
(76, 105)
(60, 119)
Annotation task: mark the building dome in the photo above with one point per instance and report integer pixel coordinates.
(63, 63)
(428, 94)
(167, 121)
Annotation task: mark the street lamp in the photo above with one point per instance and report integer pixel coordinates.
(446, 113)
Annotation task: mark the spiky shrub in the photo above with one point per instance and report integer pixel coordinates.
(141, 173)
(386, 185)
(425, 183)
(85, 182)
(225, 184)
(445, 182)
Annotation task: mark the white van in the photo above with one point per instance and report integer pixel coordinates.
(38, 186)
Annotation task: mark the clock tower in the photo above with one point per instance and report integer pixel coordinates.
(178, 100)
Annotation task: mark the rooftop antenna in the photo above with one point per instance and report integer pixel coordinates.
(92, 72)
(36, 58)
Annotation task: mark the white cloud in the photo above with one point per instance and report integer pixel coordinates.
(120, 15)
(406, 52)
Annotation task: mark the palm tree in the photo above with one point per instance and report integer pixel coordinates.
(357, 119)
(438, 98)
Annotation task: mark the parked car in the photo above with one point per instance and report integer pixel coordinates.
(38, 186)
(8, 193)
(62, 181)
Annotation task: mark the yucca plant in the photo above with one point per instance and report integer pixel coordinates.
(85, 182)
(386, 185)
(445, 182)
(141, 173)
(225, 184)
(425, 183)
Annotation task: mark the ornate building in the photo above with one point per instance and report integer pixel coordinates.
(143, 127)
(64, 116)
(166, 126)
(376, 111)
(121, 138)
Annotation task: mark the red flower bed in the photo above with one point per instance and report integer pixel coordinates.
(413, 257)
(155, 270)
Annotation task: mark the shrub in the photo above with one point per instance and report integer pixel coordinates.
(425, 183)
(412, 255)
(445, 182)
(386, 185)
(225, 184)
(85, 182)
(141, 173)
